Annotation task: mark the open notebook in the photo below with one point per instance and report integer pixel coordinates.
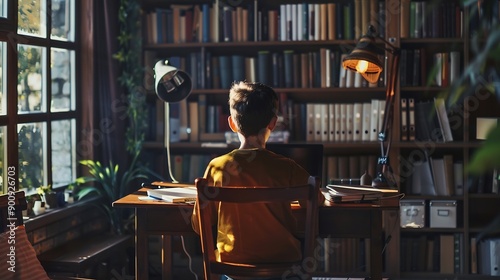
(176, 194)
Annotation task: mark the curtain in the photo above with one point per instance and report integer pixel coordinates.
(109, 108)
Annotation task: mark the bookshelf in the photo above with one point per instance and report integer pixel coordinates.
(320, 84)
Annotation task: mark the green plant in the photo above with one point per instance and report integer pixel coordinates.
(44, 190)
(110, 183)
(481, 77)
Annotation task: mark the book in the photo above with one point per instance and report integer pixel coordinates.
(366, 121)
(411, 119)
(422, 181)
(174, 195)
(310, 123)
(489, 257)
(331, 122)
(449, 173)
(333, 195)
(374, 120)
(353, 189)
(438, 174)
(473, 256)
(357, 122)
(443, 119)
(446, 253)
(404, 119)
(458, 177)
(194, 118)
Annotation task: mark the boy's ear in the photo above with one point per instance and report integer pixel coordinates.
(232, 125)
(272, 123)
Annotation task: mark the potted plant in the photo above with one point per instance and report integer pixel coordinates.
(48, 196)
(111, 183)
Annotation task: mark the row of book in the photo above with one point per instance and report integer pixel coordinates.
(346, 255)
(444, 253)
(195, 120)
(487, 182)
(429, 121)
(285, 69)
(250, 21)
(431, 19)
(348, 168)
(314, 122)
(188, 167)
(313, 69)
(433, 175)
(441, 253)
(342, 122)
(444, 68)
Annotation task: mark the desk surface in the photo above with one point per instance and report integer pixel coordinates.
(335, 220)
(138, 200)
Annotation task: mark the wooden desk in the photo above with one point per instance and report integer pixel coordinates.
(167, 219)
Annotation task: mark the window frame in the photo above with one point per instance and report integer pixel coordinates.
(9, 34)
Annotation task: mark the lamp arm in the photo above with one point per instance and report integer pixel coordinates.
(389, 97)
(384, 178)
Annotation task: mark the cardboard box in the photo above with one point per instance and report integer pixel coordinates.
(443, 214)
(412, 213)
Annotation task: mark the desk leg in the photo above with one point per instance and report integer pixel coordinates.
(376, 245)
(141, 245)
(166, 269)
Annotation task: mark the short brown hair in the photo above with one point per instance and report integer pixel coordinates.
(252, 106)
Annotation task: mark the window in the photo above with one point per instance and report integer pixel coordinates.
(38, 112)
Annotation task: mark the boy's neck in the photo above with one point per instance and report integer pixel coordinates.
(253, 142)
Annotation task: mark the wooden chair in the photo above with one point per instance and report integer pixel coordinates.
(213, 268)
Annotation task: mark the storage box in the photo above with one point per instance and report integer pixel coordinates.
(412, 213)
(443, 213)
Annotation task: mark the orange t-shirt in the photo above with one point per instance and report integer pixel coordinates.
(258, 232)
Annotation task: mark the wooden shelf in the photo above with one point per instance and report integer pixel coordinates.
(461, 150)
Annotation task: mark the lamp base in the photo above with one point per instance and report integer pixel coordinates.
(381, 182)
(383, 179)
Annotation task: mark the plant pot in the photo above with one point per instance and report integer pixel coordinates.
(61, 199)
(51, 200)
(38, 207)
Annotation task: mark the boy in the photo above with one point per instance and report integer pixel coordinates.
(256, 233)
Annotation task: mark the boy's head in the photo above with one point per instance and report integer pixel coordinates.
(252, 106)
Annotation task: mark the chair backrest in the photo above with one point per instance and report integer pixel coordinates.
(213, 268)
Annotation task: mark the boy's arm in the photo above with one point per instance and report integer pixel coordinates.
(321, 198)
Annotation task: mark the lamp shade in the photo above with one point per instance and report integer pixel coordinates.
(364, 59)
(171, 84)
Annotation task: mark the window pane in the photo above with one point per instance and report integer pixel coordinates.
(32, 171)
(31, 76)
(63, 77)
(63, 20)
(3, 161)
(32, 18)
(63, 152)
(3, 78)
(3, 8)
